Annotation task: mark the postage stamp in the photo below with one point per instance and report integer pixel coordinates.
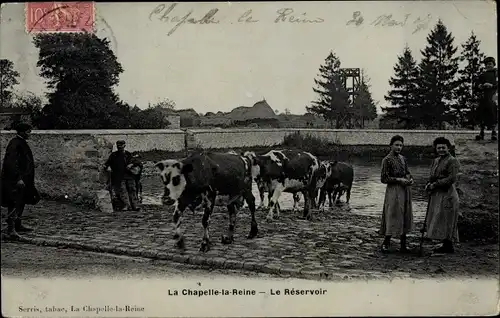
(55, 16)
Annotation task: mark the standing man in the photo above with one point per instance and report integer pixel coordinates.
(123, 180)
(18, 180)
(487, 110)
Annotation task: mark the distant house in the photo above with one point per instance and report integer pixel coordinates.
(11, 115)
(258, 115)
(13, 111)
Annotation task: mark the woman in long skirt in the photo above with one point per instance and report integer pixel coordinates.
(397, 216)
(443, 207)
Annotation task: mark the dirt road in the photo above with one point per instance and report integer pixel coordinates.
(29, 261)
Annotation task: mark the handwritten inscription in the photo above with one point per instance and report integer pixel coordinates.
(166, 14)
(174, 16)
(390, 20)
(247, 17)
(285, 15)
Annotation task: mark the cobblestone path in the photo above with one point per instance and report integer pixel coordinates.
(335, 245)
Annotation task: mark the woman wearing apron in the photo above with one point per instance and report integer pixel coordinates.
(442, 212)
(397, 216)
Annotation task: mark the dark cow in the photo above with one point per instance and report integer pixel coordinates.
(198, 201)
(206, 175)
(339, 181)
(289, 171)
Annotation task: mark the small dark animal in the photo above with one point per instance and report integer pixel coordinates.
(339, 182)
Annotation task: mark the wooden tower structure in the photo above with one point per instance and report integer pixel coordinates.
(352, 78)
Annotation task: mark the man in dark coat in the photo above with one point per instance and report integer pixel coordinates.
(487, 110)
(124, 168)
(18, 180)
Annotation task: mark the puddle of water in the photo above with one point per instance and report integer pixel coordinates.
(367, 194)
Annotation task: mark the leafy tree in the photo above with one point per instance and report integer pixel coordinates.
(27, 103)
(153, 117)
(165, 104)
(32, 104)
(437, 83)
(8, 79)
(333, 100)
(81, 71)
(403, 96)
(467, 97)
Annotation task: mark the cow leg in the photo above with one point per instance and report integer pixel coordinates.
(178, 210)
(314, 196)
(250, 199)
(348, 194)
(296, 200)
(339, 195)
(262, 192)
(278, 207)
(229, 238)
(322, 199)
(269, 194)
(340, 191)
(307, 205)
(276, 189)
(208, 208)
(330, 200)
(335, 194)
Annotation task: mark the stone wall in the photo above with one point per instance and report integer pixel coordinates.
(228, 138)
(67, 162)
(146, 140)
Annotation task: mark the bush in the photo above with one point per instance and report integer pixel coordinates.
(315, 145)
(478, 226)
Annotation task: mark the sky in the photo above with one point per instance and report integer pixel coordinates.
(219, 66)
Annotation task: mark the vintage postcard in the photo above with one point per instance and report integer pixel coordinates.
(262, 159)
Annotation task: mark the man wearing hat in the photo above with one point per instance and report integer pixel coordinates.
(488, 108)
(123, 184)
(18, 180)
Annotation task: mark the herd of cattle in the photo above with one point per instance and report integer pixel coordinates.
(201, 177)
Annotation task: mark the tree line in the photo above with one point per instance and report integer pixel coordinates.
(81, 71)
(440, 88)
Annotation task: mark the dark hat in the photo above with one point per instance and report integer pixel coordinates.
(120, 142)
(23, 127)
(489, 59)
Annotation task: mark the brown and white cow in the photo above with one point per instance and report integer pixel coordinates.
(208, 174)
(290, 171)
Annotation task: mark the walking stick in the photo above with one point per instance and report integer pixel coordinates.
(424, 228)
